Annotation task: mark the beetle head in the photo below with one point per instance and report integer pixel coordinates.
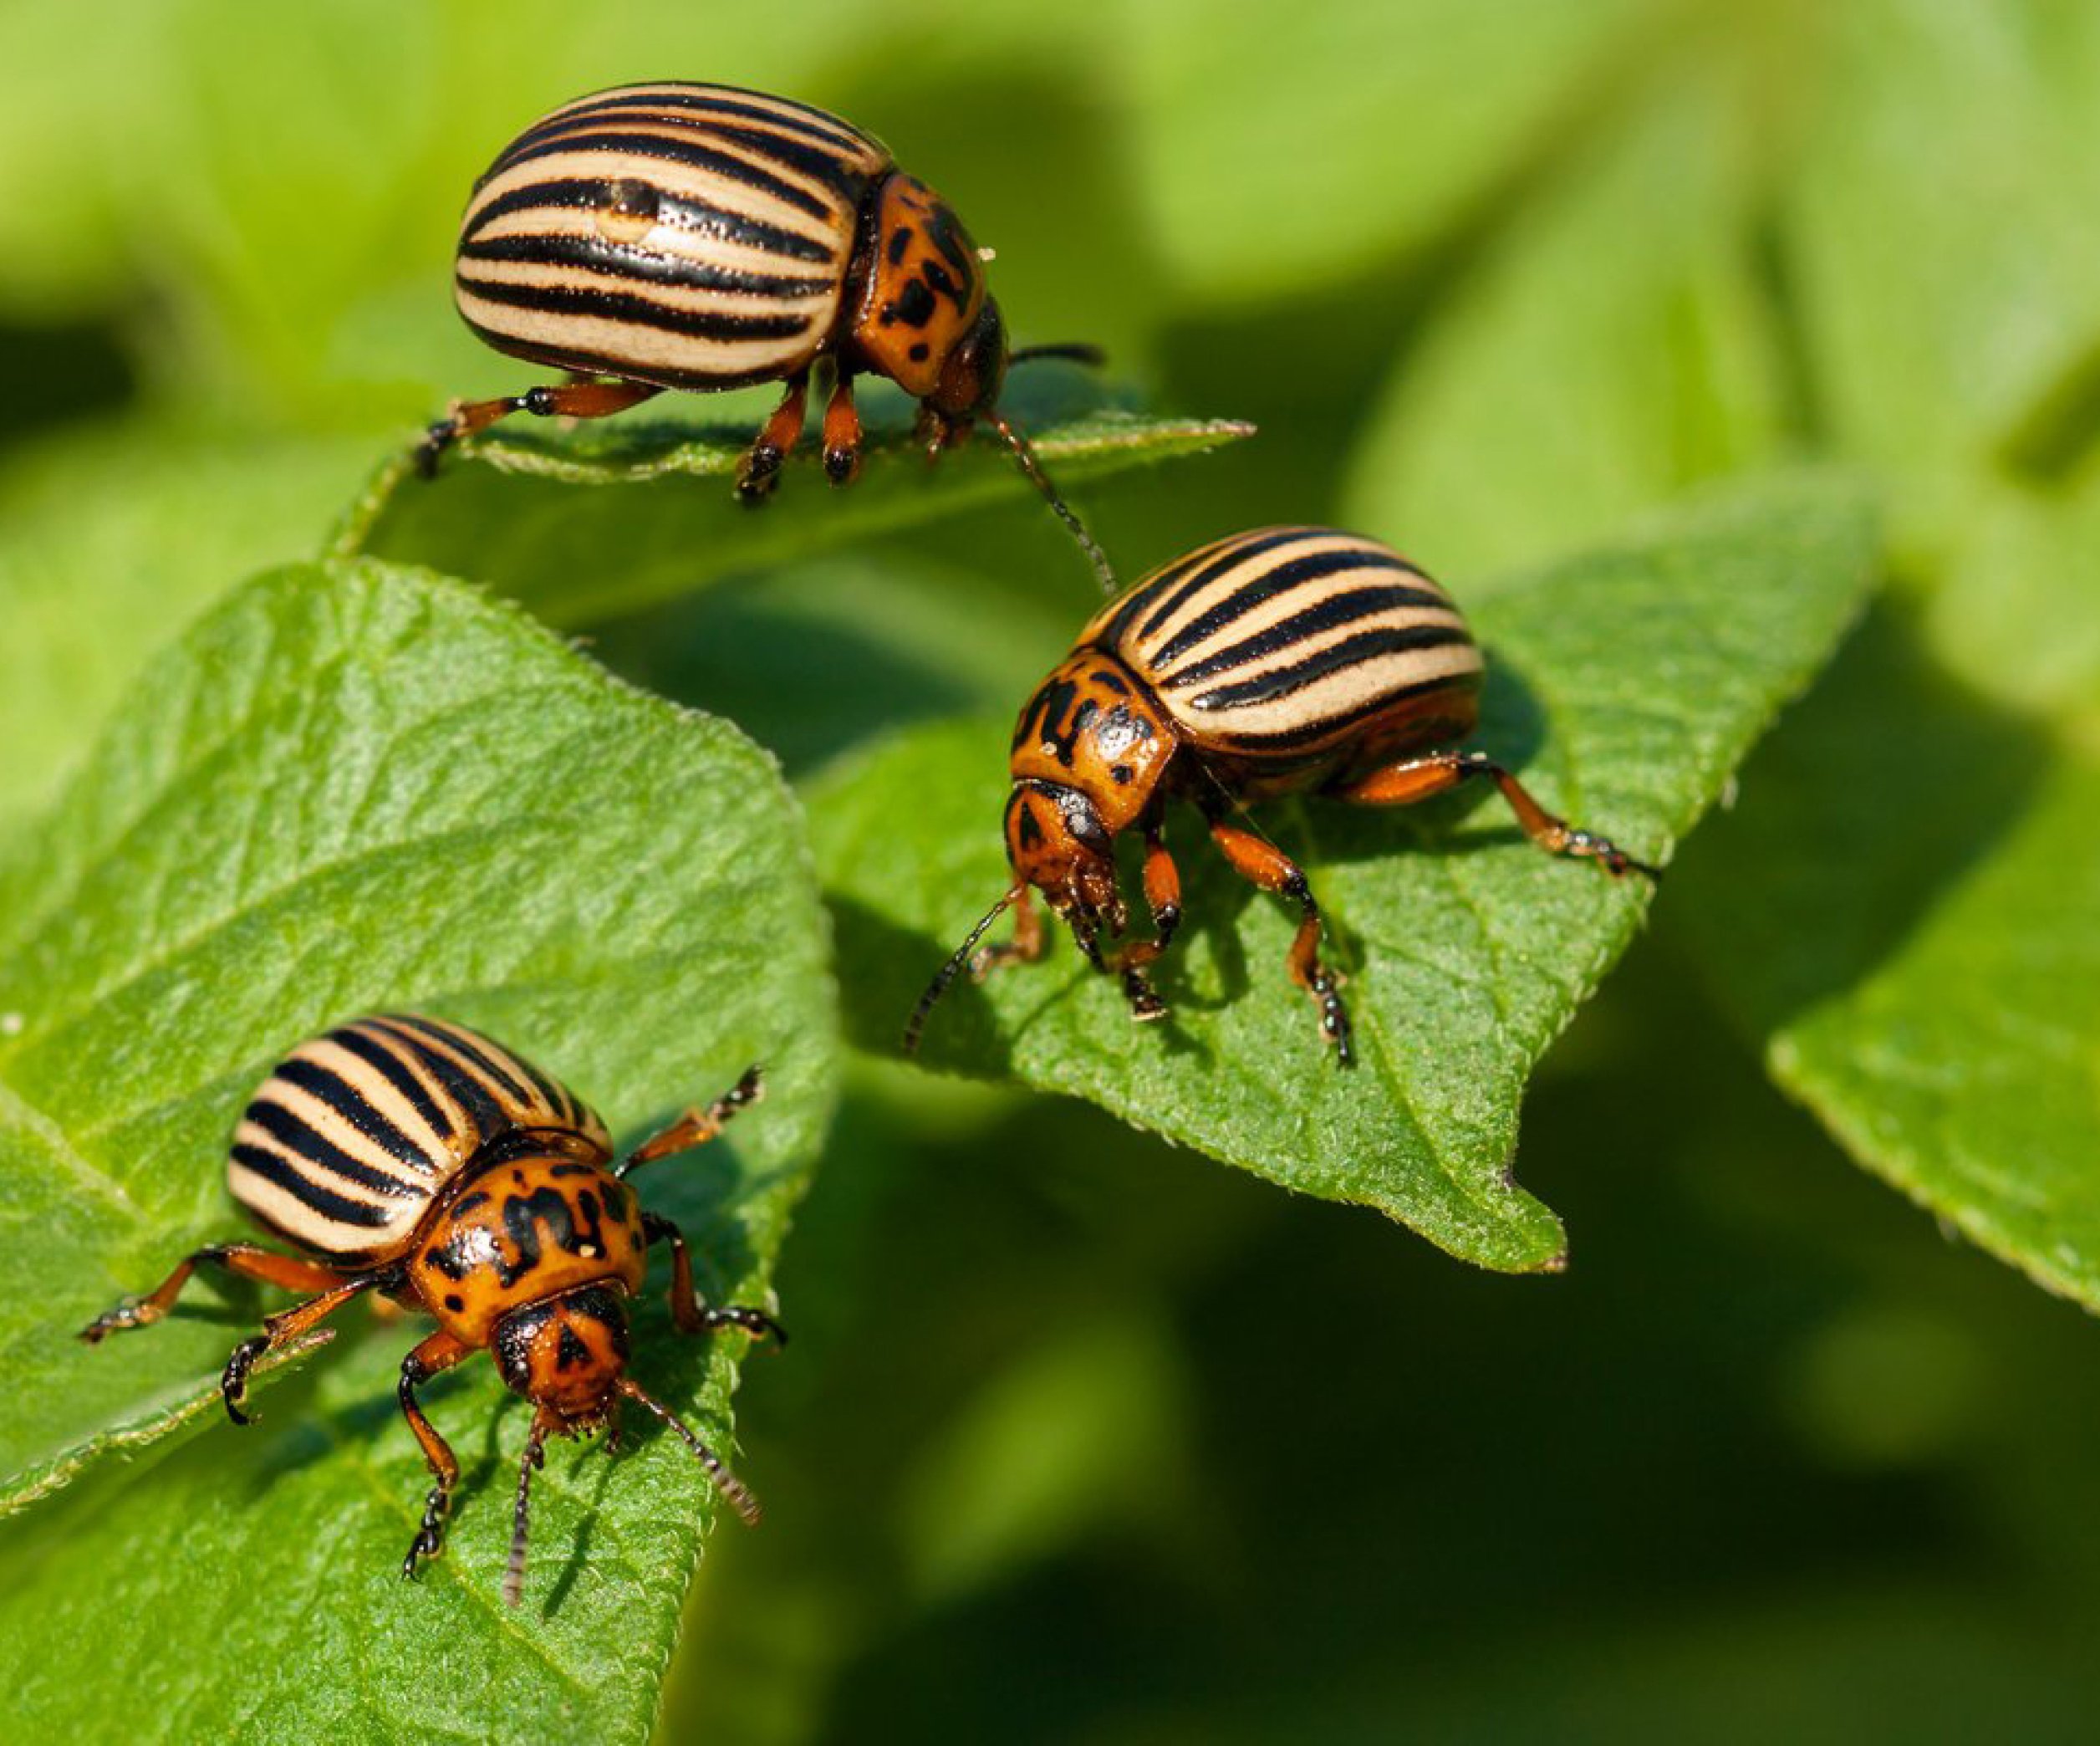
(972, 377)
(1056, 843)
(566, 1354)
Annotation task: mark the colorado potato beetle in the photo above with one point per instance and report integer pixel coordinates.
(700, 237)
(1280, 662)
(421, 1161)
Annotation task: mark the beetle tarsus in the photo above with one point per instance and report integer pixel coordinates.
(131, 1313)
(439, 437)
(754, 1322)
(233, 1380)
(758, 475)
(1335, 1018)
(1145, 1004)
(430, 1536)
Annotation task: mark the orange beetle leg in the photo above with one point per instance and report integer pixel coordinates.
(1401, 784)
(574, 399)
(1268, 867)
(760, 470)
(842, 433)
(440, 1352)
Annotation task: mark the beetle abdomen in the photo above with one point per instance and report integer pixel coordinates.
(342, 1146)
(689, 235)
(1290, 643)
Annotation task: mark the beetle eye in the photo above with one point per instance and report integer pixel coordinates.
(629, 211)
(1084, 823)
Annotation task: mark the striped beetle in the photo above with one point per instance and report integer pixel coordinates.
(1283, 661)
(701, 236)
(421, 1160)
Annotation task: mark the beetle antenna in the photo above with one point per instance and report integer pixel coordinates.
(1075, 351)
(514, 1572)
(949, 971)
(1024, 453)
(726, 1483)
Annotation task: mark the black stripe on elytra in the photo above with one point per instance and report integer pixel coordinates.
(1258, 589)
(342, 1096)
(819, 164)
(695, 154)
(296, 1134)
(384, 1058)
(479, 1055)
(1327, 612)
(637, 311)
(283, 1173)
(485, 1115)
(682, 212)
(1159, 600)
(1331, 726)
(701, 101)
(626, 261)
(1281, 681)
(558, 1098)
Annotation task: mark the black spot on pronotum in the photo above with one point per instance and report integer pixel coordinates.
(900, 244)
(914, 305)
(448, 1261)
(1120, 774)
(454, 1302)
(572, 1228)
(920, 352)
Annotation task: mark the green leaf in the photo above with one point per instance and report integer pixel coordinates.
(103, 557)
(508, 509)
(1919, 950)
(1614, 350)
(1625, 686)
(1253, 189)
(349, 787)
(1941, 334)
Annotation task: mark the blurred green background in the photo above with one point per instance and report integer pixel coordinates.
(1082, 1438)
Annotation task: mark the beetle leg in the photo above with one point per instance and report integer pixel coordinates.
(760, 471)
(279, 1331)
(1163, 897)
(1419, 777)
(842, 432)
(691, 1315)
(1026, 946)
(573, 399)
(697, 1128)
(249, 1260)
(440, 1352)
(1268, 867)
